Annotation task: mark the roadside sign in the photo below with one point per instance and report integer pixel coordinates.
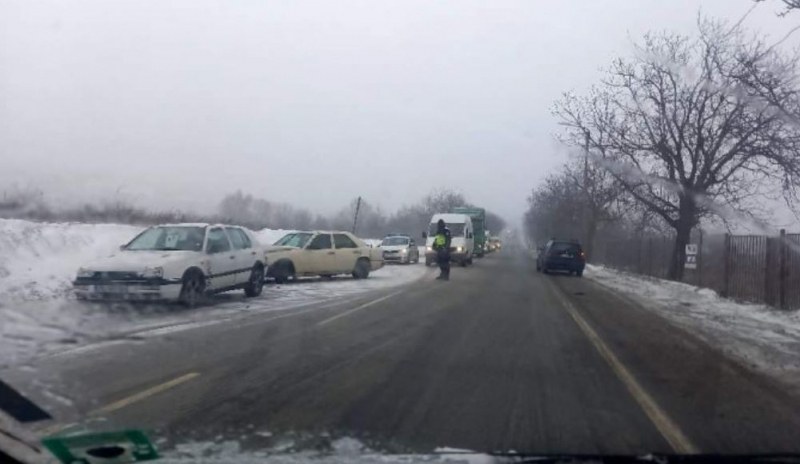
(691, 262)
(119, 447)
(691, 248)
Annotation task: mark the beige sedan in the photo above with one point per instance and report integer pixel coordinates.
(321, 253)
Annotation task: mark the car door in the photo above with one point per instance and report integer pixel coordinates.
(222, 259)
(347, 252)
(320, 255)
(244, 252)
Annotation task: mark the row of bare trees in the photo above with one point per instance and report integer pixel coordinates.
(245, 209)
(372, 220)
(685, 129)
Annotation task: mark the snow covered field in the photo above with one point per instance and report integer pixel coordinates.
(764, 338)
(38, 316)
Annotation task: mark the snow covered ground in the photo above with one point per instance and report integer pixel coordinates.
(39, 260)
(38, 316)
(763, 338)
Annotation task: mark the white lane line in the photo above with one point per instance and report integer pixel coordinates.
(144, 394)
(679, 442)
(357, 308)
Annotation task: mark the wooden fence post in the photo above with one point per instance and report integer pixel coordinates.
(726, 275)
(782, 270)
(768, 260)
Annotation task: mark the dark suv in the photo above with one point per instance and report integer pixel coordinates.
(561, 255)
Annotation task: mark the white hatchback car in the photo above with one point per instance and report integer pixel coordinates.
(322, 253)
(181, 262)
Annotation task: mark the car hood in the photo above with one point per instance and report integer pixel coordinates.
(136, 260)
(393, 247)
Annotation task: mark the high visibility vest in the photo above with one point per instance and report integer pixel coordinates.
(440, 240)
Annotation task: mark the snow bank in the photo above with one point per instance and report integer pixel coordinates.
(762, 337)
(39, 260)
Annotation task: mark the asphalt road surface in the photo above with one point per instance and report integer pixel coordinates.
(499, 358)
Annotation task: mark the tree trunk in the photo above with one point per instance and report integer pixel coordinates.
(591, 232)
(683, 233)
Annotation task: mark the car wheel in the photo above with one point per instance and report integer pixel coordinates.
(428, 262)
(362, 269)
(255, 284)
(193, 290)
(283, 272)
(579, 273)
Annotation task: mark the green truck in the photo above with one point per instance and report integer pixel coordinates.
(478, 216)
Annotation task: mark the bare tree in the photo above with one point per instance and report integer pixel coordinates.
(684, 135)
(789, 4)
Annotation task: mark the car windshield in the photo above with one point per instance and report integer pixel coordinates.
(218, 228)
(297, 240)
(179, 238)
(456, 229)
(391, 241)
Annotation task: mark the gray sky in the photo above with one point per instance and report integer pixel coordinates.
(175, 103)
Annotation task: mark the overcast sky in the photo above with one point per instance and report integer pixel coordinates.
(175, 103)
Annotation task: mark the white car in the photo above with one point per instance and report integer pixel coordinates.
(182, 262)
(399, 249)
(321, 253)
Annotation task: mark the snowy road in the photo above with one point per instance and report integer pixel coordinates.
(499, 358)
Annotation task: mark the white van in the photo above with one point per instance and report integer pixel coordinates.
(462, 241)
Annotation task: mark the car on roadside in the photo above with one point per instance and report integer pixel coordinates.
(177, 262)
(399, 248)
(561, 255)
(321, 253)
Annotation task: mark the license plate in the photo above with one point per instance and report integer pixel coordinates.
(115, 288)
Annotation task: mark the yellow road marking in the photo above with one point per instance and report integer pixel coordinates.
(144, 394)
(357, 308)
(679, 442)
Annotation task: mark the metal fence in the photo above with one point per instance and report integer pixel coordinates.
(752, 268)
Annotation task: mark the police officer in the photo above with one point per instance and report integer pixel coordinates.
(441, 244)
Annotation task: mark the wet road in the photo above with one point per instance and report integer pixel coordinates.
(499, 358)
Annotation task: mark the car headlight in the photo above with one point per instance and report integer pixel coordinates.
(404, 251)
(430, 248)
(151, 272)
(458, 249)
(85, 273)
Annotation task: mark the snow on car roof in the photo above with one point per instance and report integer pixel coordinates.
(198, 224)
(320, 232)
(185, 224)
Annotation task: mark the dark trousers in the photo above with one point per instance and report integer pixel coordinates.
(443, 259)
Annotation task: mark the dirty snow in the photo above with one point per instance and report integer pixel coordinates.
(342, 450)
(762, 337)
(38, 315)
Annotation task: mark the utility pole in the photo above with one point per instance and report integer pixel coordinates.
(355, 218)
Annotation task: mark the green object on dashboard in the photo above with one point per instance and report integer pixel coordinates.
(117, 447)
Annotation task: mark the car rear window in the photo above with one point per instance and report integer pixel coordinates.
(565, 247)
